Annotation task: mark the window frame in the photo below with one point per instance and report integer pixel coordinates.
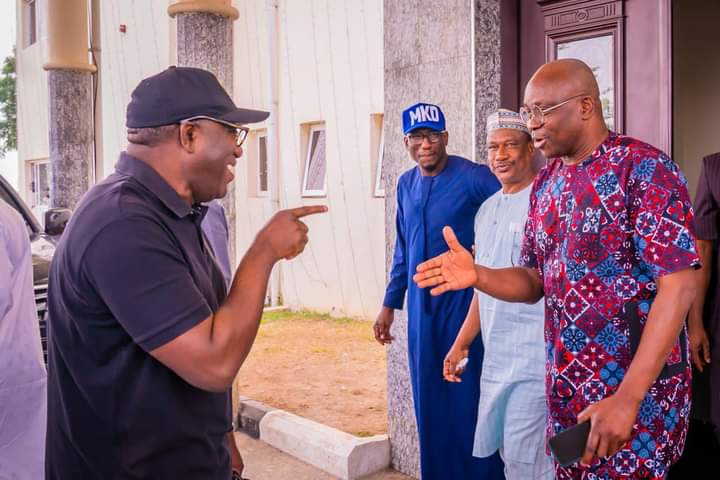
(259, 192)
(569, 20)
(379, 190)
(306, 192)
(29, 18)
(37, 206)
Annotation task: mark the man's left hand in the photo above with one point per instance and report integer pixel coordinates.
(452, 270)
(611, 423)
(699, 345)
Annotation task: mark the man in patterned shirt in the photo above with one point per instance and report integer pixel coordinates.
(609, 244)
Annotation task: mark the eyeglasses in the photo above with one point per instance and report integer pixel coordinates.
(239, 131)
(416, 139)
(536, 115)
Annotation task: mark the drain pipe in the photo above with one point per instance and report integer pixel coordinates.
(273, 130)
(96, 55)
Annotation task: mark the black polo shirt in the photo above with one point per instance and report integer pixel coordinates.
(131, 273)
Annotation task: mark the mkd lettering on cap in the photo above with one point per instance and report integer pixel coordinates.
(423, 115)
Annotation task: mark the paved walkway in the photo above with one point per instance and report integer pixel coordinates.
(263, 462)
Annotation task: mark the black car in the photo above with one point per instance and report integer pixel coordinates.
(42, 243)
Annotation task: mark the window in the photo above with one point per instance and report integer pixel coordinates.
(257, 161)
(377, 144)
(262, 165)
(315, 178)
(379, 176)
(597, 52)
(39, 188)
(29, 16)
(594, 33)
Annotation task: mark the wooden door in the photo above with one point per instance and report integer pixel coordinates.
(626, 42)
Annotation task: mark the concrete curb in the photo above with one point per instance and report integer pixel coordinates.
(250, 413)
(338, 453)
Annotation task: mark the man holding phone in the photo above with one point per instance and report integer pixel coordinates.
(609, 244)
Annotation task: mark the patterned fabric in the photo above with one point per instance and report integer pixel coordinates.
(599, 233)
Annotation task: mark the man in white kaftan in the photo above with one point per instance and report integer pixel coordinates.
(512, 409)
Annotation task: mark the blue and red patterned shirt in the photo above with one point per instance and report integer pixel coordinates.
(599, 233)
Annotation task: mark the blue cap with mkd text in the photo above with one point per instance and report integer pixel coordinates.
(423, 115)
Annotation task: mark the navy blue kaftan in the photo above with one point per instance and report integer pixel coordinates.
(446, 413)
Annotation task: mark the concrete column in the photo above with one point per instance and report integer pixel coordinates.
(70, 101)
(205, 40)
(433, 61)
(487, 69)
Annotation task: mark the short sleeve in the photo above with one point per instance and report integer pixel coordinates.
(660, 211)
(707, 212)
(144, 281)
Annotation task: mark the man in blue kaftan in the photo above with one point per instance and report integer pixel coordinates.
(441, 190)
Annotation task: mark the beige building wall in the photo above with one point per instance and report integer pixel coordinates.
(329, 70)
(126, 58)
(32, 96)
(328, 61)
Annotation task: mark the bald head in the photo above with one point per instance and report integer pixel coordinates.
(569, 75)
(569, 121)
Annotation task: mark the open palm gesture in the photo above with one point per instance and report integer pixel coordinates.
(453, 270)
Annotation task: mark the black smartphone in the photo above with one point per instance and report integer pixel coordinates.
(568, 446)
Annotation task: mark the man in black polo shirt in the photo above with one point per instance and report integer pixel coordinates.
(144, 343)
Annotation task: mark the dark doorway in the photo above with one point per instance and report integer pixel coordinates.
(696, 84)
(696, 107)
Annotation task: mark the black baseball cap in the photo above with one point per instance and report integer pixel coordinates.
(179, 93)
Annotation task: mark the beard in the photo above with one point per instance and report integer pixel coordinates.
(430, 168)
